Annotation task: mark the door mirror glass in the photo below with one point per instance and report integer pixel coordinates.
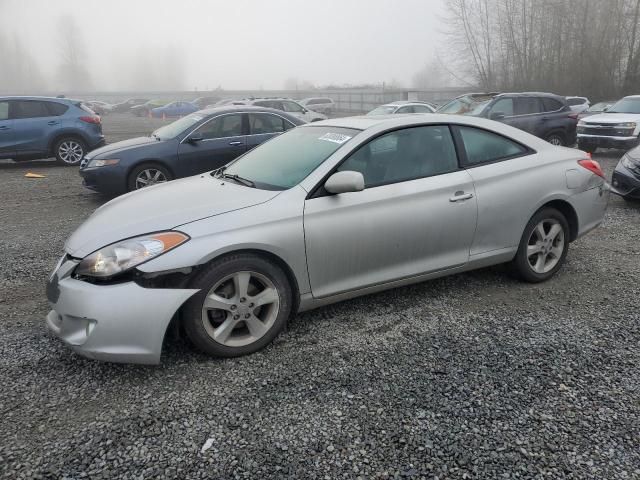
(195, 137)
(498, 116)
(344, 182)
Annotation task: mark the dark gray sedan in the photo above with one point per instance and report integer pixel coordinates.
(200, 142)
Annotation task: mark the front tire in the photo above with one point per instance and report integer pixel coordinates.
(69, 151)
(243, 303)
(146, 175)
(543, 246)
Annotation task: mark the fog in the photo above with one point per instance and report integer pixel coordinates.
(83, 45)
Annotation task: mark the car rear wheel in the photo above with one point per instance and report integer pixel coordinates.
(556, 138)
(243, 303)
(543, 246)
(147, 175)
(69, 151)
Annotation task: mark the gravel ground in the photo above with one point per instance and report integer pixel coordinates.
(471, 376)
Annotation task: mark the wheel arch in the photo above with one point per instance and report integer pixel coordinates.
(150, 161)
(273, 257)
(65, 134)
(569, 213)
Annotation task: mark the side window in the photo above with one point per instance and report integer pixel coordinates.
(260, 123)
(221, 127)
(407, 109)
(504, 105)
(29, 109)
(421, 109)
(291, 107)
(404, 155)
(527, 105)
(551, 104)
(4, 110)
(483, 146)
(56, 109)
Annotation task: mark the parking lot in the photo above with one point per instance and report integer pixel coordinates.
(471, 376)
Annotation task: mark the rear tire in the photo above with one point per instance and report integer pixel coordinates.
(243, 304)
(556, 138)
(69, 151)
(543, 246)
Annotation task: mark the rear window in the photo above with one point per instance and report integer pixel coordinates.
(56, 109)
(575, 101)
(551, 104)
(86, 108)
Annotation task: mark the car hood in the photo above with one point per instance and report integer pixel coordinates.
(117, 147)
(613, 118)
(162, 207)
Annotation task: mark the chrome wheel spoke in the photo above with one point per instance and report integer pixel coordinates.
(215, 302)
(540, 231)
(540, 262)
(241, 284)
(554, 231)
(265, 297)
(533, 249)
(223, 332)
(256, 328)
(556, 252)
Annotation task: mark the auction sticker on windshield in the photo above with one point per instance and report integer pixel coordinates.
(335, 137)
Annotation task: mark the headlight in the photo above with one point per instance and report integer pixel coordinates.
(103, 163)
(121, 256)
(629, 163)
(627, 125)
(582, 124)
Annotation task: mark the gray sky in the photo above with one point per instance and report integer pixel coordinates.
(237, 44)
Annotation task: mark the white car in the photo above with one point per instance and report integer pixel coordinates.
(578, 104)
(403, 107)
(319, 104)
(286, 105)
(617, 127)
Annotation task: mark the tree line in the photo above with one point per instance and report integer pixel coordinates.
(569, 47)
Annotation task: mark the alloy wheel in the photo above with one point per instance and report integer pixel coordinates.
(545, 246)
(150, 176)
(555, 140)
(240, 309)
(70, 152)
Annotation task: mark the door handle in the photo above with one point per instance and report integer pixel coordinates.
(4, 127)
(460, 196)
(235, 143)
(53, 122)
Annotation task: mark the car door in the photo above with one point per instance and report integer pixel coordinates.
(32, 124)
(507, 183)
(219, 140)
(417, 214)
(263, 126)
(528, 115)
(7, 136)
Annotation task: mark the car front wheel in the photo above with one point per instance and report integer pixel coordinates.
(243, 303)
(543, 246)
(556, 139)
(147, 175)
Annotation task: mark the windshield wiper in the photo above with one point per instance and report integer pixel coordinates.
(156, 136)
(244, 181)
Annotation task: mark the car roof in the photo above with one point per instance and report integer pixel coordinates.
(632, 96)
(52, 99)
(247, 108)
(407, 102)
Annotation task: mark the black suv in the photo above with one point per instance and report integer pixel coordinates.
(544, 115)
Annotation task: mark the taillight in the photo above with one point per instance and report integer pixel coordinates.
(95, 119)
(592, 166)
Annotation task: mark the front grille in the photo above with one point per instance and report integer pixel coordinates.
(606, 131)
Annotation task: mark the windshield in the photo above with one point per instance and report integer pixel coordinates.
(626, 105)
(176, 128)
(599, 107)
(466, 105)
(383, 110)
(286, 160)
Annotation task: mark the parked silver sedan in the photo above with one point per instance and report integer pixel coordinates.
(325, 212)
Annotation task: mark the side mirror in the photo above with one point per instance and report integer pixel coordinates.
(195, 137)
(606, 109)
(497, 116)
(344, 182)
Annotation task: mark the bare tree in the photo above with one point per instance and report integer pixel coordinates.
(72, 72)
